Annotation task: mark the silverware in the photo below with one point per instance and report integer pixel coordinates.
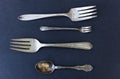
(75, 14)
(48, 67)
(83, 29)
(31, 45)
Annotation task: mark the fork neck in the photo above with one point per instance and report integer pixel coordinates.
(61, 14)
(57, 14)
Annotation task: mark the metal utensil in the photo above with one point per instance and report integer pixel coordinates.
(83, 29)
(75, 14)
(48, 67)
(31, 45)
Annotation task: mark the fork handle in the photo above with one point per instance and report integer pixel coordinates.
(28, 17)
(45, 28)
(77, 45)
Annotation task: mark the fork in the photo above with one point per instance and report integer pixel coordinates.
(31, 45)
(75, 14)
(83, 29)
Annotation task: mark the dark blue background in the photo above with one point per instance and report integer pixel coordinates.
(105, 56)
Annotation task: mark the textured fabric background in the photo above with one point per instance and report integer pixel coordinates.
(105, 56)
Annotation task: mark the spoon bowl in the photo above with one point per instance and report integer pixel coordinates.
(45, 66)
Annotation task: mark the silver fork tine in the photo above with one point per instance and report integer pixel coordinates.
(86, 11)
(86, 29)
(21, 39)
(19, 46)
(87, 14)
(87, 17)
(84, 8)
(21, 50)
(21, 43)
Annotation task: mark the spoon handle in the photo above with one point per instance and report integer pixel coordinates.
(86, 68)
(76, 45)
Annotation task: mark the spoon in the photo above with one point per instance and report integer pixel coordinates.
(48, 67)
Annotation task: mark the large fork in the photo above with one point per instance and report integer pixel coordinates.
(75, 14)
(31, 45)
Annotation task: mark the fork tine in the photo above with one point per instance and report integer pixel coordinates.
(86, 18)
(86, 11)
(18, 46)
(21, 43)
(87, 14)
(21, 39)
(87, 27)
(84, 8)
(21, 50)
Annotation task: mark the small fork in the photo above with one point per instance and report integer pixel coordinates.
(75, 14)
(83, 29)
(31, 45)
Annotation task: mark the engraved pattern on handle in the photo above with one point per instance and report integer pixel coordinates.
(77, 45)
(86, 68)
(28, 17)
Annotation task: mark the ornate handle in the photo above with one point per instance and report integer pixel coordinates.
(77, 45)
(28, 17)
(86, 68)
